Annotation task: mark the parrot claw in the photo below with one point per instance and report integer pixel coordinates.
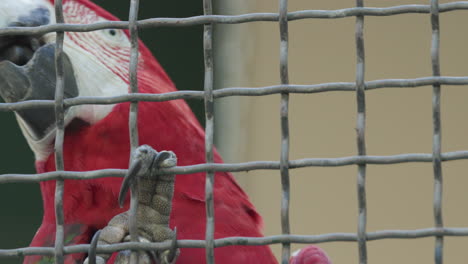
(144, 160)
(155, 193)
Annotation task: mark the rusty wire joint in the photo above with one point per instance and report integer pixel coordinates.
(155, 192)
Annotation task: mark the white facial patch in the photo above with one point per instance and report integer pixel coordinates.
(93, 79)
(100, 62)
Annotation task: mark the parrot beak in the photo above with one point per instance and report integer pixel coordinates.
(35, 81)
(27, 71)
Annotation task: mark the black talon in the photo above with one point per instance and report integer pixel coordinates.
(160, 157)
(92, 248)
(129, 179)
(173, 250)
(154, 256)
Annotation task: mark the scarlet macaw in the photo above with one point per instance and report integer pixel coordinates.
(97, 137)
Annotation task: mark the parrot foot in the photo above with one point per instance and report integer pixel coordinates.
(154, 198)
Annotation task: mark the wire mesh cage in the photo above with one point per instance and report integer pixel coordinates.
(361, 160)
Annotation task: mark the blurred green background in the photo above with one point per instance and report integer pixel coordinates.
(180, 52)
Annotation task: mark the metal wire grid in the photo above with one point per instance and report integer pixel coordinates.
(361, 160)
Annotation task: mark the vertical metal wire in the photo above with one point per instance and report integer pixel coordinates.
(284, 115)
(361, 141)
(133, 117)
(436, 139)
(209, 130)
(59, 135)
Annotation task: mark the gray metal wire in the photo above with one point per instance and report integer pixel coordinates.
(209, 132)
(436, 140)
(239, 167)
(243, 91)
(284, 118)
(249, 241)
(361, 139)
(59, 136)
(237, 19)
(360, 86)
(133, 120)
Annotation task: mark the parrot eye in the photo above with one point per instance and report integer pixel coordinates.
(112, 32)
(114, 37)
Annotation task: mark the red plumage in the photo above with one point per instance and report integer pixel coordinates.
(90, 204)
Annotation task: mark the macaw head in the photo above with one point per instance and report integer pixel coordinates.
(95, 64)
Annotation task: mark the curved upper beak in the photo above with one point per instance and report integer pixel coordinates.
(36, 81)
(27, 68)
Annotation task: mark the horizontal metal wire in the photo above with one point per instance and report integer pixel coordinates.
(251, 241)
(237, 19)
(242, 91)
(237, 167)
